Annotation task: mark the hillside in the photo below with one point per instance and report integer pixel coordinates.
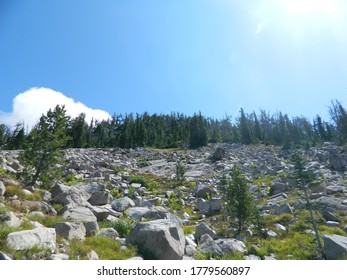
(127, 203)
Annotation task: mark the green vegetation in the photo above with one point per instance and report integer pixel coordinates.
(122, 225)
(179, 131)
(107, 249)
(306, 178)
(180, 172)
(71, 180)
(238, 201)
(42, 149)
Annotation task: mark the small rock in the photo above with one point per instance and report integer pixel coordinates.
(332, 224)
(252, 258)
(2, 189)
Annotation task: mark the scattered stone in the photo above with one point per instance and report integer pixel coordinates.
(100, 198)
(108, 233)
(92, 255)
(136, 213)
(332, 224)
(268, 233)
(280, 227)
(122, 204)
(251, 258)
(334, 189)
(218, 154)
(208, 246)
(231, 246)
(59, 257)
(202, 229)
(335, 246)
(71, 230)
(26, 239)
(283, 209)
(4, 257)
(190, 250)
(9, 219)
(2, 189)
(159, 239)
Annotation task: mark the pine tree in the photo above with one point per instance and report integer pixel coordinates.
(42, 156)
(237, 198)
(245, 132)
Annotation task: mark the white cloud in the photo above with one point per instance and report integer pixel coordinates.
(31, 104)
(260, 28)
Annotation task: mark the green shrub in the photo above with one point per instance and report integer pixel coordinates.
(140, 180)
(122, 225)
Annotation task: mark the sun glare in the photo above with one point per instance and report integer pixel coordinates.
(308, 7)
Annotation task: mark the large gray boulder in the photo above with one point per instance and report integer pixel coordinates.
(159, 239)
(100, 198)
(231, 246)
(335, 246)
(209, 246)
(203, 191)
(136, 213)
(122, 204)
(26, 239)
(202, 229)
(67, 195)
(84, 215)
(71, 230)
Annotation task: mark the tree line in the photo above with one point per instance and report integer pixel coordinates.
(177, 130)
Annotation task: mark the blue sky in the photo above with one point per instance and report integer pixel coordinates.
(183, 55)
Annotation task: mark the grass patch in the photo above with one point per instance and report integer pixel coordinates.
(106, 248)
(48, 220)
(71, 180)
(188, 229)
(331, 230)
(298, 246)
(122, 225)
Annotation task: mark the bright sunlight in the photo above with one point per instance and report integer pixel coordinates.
(309, 7)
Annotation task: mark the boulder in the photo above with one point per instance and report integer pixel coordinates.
(108, 233)
(159, 239)
(202, 191)
(71, 230)
(122, 204)
(335, 246)
(335, 189)
(67, 195)
(277, 187)
(202, 229)
(26, 239)
(84, 215)
(231, 246)
(136, 213)
(100, 213)
(9, 219)
(190, 250)
(283, 209)
(218, 154)
(2, 189)
(4, 257)
(209, 246)
(99, 198)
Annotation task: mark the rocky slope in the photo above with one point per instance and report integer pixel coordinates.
(131, 198)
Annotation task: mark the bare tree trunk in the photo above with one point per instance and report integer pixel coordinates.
(319, 243)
